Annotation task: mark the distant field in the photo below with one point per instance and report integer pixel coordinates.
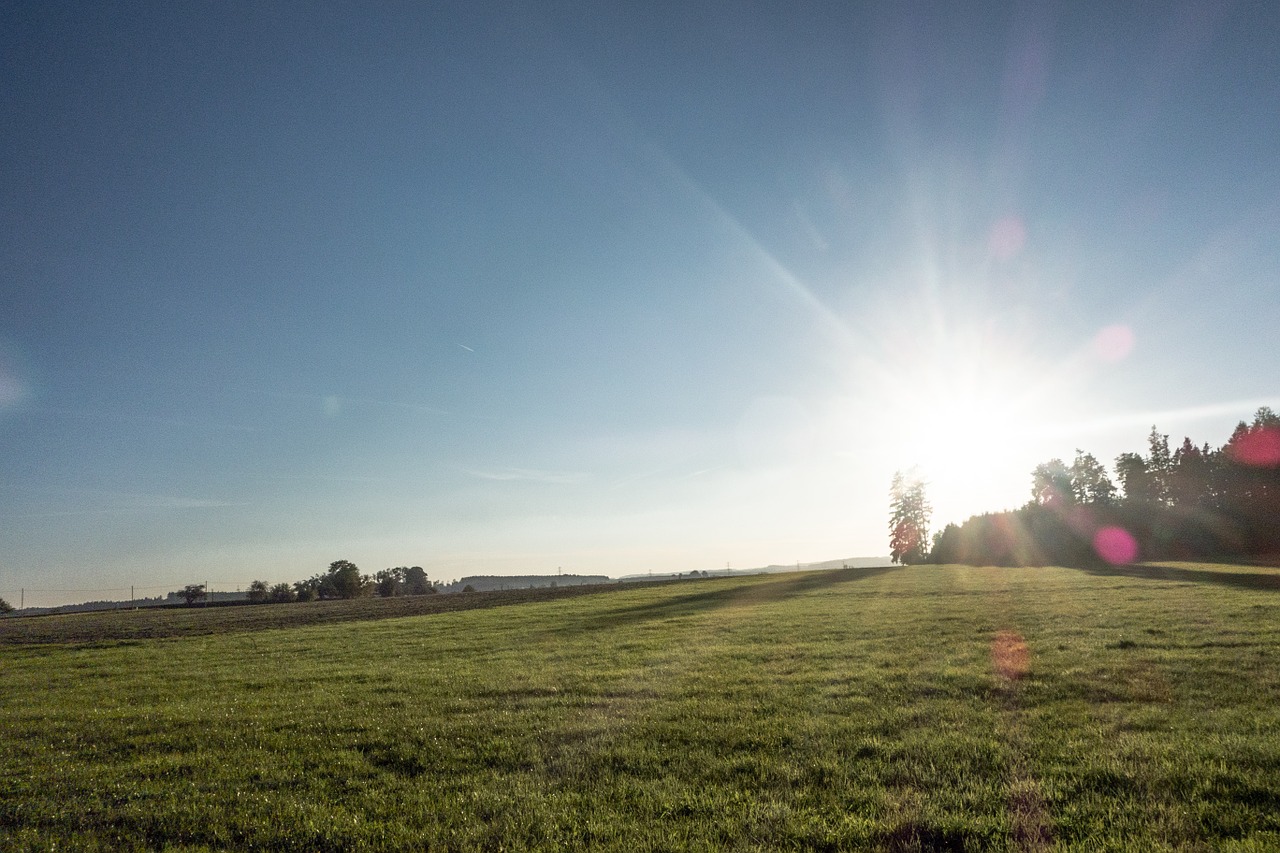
(912, 708)
(156, 622)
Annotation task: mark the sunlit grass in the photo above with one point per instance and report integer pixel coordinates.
(843, 710)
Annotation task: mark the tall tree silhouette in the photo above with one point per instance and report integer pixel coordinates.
(908, 518)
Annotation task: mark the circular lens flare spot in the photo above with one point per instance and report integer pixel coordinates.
(1007, 238)
(1259, 447)
(1115, 545)
(13, 391)
(1113, 343)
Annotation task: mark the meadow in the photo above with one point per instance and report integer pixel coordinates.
(906, 708)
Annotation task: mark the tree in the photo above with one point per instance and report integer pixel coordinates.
(402, 580)
(908, 518)
(1089, 481)
(344, 579)
(1131, 469)
(416, 583)
(307, 590)
(282, 593)
(946, 545)
(192, 592)
(5, 607)
(258, 592)
(1190, 483)
(1159, 466)
(1051, 484)
(390, 582)
(1249, 480)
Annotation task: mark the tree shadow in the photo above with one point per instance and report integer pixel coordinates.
(693, 604)
(1240, 580)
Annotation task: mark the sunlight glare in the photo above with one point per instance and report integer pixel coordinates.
(965, 415)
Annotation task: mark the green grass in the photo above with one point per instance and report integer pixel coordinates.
(154, 622)
(914, 708)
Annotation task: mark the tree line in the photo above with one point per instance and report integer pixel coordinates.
(1193, 502)
(342, 580)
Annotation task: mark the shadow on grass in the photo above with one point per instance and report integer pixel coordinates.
(112, 627)
(692, 604)
(1240, 580)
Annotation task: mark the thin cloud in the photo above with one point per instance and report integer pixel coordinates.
(289, 476)
(126, 503)
(1243, 409)
(171, 502)
(115, 417)
(531, 475)
(700, 472)
(336, 404)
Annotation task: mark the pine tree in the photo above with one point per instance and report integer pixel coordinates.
(908, 518)
(1089, 481)
(1159, 466)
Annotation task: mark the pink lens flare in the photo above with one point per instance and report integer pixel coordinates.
(1007, 238)
(1113, 343)
(12, 388)
(1115, 545)
(1259, 447)
(11, 391)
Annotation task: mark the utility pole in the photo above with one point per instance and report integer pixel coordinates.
(22, 598)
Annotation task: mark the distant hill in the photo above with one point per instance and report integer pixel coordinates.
(92, 605)
(846, 563)
(488, 583)
(173, 599)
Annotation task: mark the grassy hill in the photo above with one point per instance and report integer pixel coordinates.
(912, 708)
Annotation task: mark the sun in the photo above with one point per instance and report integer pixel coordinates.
(964, 412)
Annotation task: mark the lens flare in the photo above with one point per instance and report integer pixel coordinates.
(1260, 447)
(1010, 655)
(1115, 545)
(1007, 238)
(13, 391)
(1113, 343)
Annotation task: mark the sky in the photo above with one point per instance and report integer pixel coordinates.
(605, 288)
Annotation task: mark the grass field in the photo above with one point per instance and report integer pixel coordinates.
(909, 708)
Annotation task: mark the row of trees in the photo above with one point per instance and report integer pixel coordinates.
(5, 607)
(1195, 501)
(342, 580)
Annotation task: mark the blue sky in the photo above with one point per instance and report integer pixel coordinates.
(506, 288)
